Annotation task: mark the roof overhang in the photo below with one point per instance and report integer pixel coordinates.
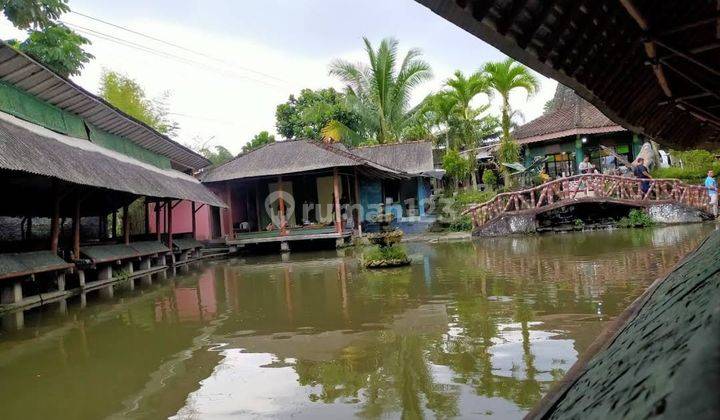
(570, 133)
(27, 74)
(600, 50)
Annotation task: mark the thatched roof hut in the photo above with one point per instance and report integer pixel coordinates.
(570, 115)
(415, 158)
(293, 157)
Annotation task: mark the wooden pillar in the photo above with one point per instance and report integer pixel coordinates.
(126, 225)
(281, 206)
(336, 199)
(247, 205)
(157, 220)
(257, 205)
(168, 210)
(114, 224)
(28, 229)
(76, 229)
(356, 216)
(228, 214)
(55, 221)
(194, 225)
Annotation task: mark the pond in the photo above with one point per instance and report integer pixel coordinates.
(469, 329)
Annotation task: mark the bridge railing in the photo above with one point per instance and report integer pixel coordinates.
(590, 188)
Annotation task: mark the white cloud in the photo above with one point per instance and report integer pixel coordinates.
(219, 98)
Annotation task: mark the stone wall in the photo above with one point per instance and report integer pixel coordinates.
(675, 213)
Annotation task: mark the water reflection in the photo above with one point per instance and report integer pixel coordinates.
(474, 328)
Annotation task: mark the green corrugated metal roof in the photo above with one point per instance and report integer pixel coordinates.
(104, 253)
(184, 244)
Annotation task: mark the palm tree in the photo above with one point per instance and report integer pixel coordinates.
(379, 92)
(504, 77)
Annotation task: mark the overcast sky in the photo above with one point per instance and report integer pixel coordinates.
(258, 53)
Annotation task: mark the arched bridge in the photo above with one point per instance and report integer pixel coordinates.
(587, 188)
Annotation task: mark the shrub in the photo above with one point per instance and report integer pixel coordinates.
(636, 218)
(456, 166)
(461, 224)
(378, 253)
(489, 179)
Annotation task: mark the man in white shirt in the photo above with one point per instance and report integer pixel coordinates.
(585, 166)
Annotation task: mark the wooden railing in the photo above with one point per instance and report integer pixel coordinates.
(589, 188)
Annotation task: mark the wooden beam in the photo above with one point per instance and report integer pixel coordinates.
(356, 216)
(168, 206)
(55, 220)
(687, 56)
(194, 226)
(126, 225)
(635, 14)
(281, 207)
(336, 200)
(690, 25)
(157, 221)
(692, 80)
(76, 230)
(257, 204)
(146, 204)
(197, 208)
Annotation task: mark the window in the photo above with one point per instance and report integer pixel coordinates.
(559, 164)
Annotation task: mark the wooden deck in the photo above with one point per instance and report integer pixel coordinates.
(298, 234)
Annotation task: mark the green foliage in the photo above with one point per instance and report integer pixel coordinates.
(26, 14)
(696, 163)
(128, 96)
(455, 165)
(466, 198)
(216, 154)
(305, 116)
(379, 92)
(380, 253)
(579, 223)
(504, 77)
(260, 139)
(57, 47)
(461, 224)
(636, 218)
(489, 179)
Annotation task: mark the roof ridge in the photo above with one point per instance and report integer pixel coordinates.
(347, 153)
(370, 146)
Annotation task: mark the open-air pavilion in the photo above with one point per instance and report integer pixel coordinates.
(69, 163)
(312, 189)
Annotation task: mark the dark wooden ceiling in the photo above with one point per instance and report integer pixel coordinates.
(651, 66)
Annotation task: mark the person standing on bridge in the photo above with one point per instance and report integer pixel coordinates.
(585, 166)
(712, 190)
(641, 171)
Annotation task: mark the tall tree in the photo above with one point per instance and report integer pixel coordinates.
(57, 47)
(25, 14)
(379, 91)
(305, 115)
(504, 77)
(51, 43)
(127, 95)
(260, 139)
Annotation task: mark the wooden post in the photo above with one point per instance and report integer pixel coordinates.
(336, 199)
(168, 210)
(194, 225)
(157, 220)
(356, 216)
(247, 205)
(257, 205)
(76, 230)
(28, 229)
(126, 225)
(228, 215)
(281, 206)
(55, 222)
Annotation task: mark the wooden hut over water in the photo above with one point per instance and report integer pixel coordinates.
(318, 191)
(66, 155)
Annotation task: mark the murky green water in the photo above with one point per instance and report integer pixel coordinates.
(469, 329)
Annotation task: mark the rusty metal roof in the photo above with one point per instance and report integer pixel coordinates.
(30, 76)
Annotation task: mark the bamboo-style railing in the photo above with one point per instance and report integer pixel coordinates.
(589, 188)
